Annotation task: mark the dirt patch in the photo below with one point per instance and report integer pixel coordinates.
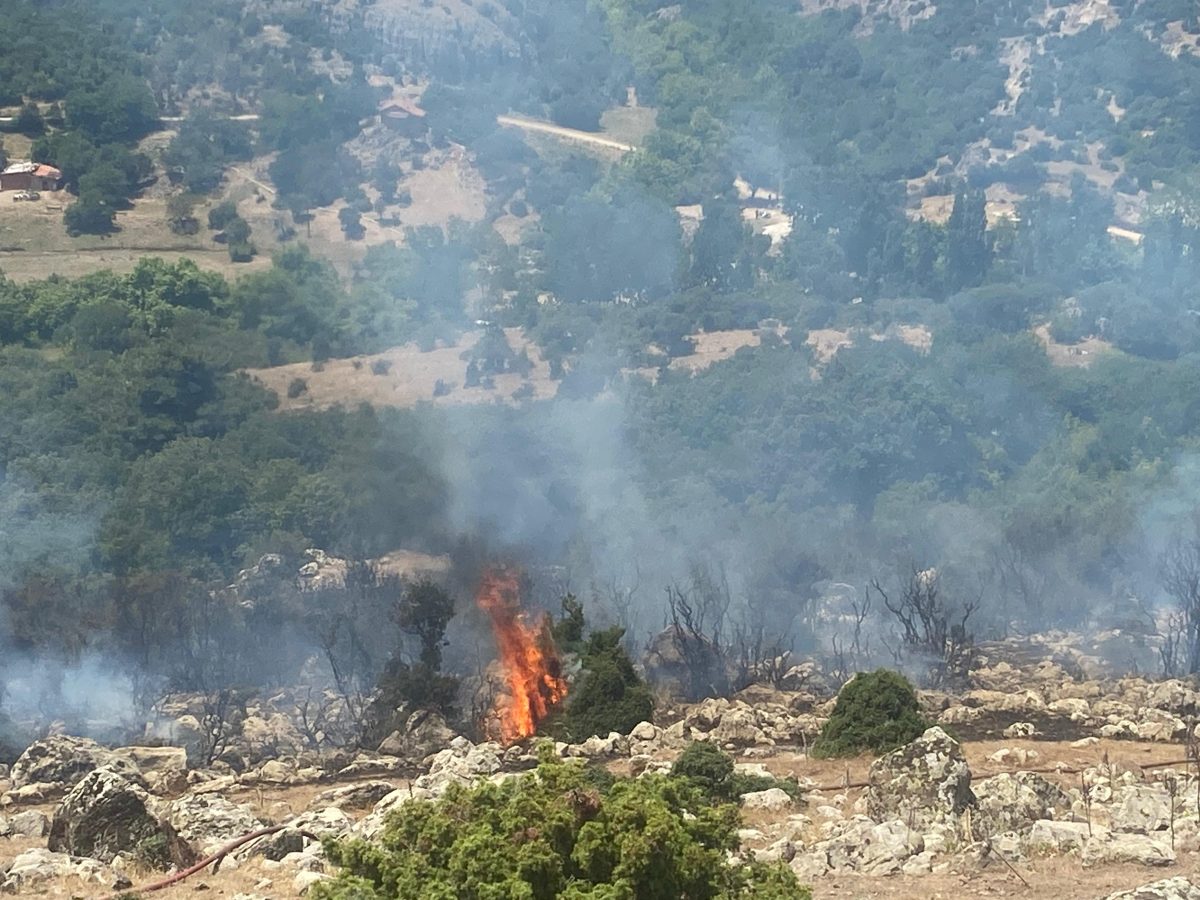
(1176, 40)
(826, 342)
(1016, 55)
(409, 563)
(448, 187)
(712, 347)
(1080, 355)
(1073, 18)
(405, 376)
(1001, 203)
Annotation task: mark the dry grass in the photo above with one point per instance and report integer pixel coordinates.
(629, 124)
(34, 244)
(407, 376)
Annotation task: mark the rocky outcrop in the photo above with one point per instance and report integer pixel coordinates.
(861, 845)
(55, 764)
(460, 763)
(423, 734)
(330, 822)
(924, 783)
(353, 796)
(771, 800)
(34, 867)
(443, 37)
(1167, 889)
(1141, 809)
(105, 814)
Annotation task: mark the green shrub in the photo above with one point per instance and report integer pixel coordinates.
(610, 695)
(711, 771)
(557, 832)
(875, 712)
(707, 767)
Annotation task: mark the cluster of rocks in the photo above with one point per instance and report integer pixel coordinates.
(921, 813)
(121, 812)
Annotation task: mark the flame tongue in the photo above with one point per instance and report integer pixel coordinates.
(532, 668)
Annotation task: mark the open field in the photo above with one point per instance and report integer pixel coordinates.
(34, 244)
(405, 376)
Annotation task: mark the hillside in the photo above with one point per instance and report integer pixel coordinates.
(386, 387)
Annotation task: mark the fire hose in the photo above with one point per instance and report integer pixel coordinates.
(207, 861)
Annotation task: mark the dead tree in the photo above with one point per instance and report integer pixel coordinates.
(759, 658)
(930, 627)
(697, 640)
(1180, 573)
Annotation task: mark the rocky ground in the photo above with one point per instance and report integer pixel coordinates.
(1044, 777)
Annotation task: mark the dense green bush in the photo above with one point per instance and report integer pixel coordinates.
(875, 712)
(557, 832)
(610, 695)
(711, 771)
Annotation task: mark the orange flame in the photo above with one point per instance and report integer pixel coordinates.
(531, 664)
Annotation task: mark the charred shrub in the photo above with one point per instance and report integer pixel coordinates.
(422, 612)
(875, 712)
(609, 696)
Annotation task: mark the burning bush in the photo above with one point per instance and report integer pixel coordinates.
(528, 655)
(560, 831)
(876, 711)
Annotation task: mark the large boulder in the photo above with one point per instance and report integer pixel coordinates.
(165, 769)
(1178, 888)
(1138, 849)
(106, 814)
(462, 763)
(206, 822)
(923, 783)
(1048, 835)
(1015, 802)
(59, 762)
(1141, 809)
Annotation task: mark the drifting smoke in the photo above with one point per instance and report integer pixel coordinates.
(532, 668)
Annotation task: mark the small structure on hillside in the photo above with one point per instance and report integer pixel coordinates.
(403, 115)
(30, 176)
